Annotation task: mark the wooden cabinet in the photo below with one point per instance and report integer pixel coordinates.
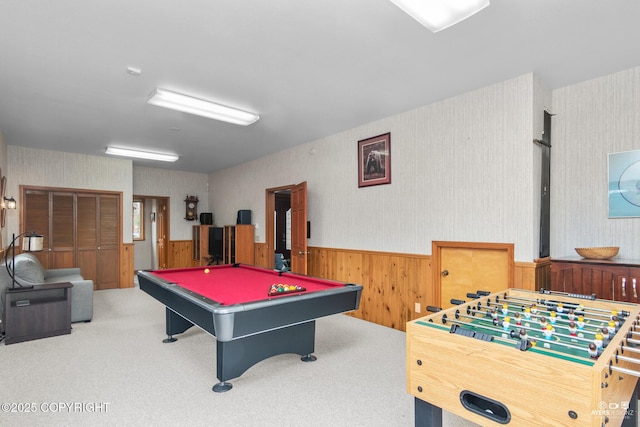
(37, 312)
(617, 280)
(239, 244)
(80, 228)
(200, 236)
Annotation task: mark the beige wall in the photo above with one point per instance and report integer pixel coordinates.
(173, 184)
(463, 169)
(593, 119)
(28, 166)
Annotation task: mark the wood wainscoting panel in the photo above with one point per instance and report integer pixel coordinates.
(394, 285)
(260, 256)
(532, 276)
(180, 254)
(126, 265)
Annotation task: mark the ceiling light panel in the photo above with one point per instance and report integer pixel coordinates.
(138, 154)
(437, 15)
(200, 107)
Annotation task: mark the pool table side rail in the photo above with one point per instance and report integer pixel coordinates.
(229, 322)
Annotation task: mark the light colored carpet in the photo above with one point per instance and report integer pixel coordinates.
(116, 371)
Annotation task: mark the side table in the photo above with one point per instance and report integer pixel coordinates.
(38, 312)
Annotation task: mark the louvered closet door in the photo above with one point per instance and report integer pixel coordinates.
(62, 242)
(87, 242)
(108, 244)
(37, 204)
(81, 229)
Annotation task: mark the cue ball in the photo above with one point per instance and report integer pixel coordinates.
(206, 271)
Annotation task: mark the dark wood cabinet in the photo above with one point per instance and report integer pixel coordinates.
(613, 279)
(38, 312)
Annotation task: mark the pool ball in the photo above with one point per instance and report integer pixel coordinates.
(206, 271)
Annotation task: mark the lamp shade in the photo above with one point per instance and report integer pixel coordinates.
(32, 243)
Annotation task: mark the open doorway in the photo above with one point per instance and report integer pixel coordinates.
(286, 226)
(150, 247)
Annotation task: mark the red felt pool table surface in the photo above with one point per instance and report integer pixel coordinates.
(233, 284)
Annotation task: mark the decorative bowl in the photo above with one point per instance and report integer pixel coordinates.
(598, 253)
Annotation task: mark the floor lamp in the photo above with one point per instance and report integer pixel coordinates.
(31, 243)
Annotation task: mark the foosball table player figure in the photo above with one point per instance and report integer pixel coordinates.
(526, 358)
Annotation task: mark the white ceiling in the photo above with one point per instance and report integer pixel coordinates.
(309, 68)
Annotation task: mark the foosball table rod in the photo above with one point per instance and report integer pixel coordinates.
(633, 341)
(624, 371)
(630, 349)
(591, 311)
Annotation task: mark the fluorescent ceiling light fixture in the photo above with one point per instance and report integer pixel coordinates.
(125, 152)
(437, 15)
(200, 107)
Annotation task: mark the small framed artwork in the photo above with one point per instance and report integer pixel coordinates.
(3, 217)
(374, 160)
(624, 184)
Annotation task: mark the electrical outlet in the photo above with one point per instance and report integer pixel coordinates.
(417, 307)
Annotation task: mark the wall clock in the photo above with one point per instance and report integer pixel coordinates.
(191, 208)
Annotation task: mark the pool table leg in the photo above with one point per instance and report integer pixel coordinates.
(175, 324)
(234, 357)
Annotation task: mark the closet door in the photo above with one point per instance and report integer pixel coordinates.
(108, 270)
(62, 242)
(36, 203)
(81, 229)
(87, 243)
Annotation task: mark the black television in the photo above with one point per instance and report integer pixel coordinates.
(215, 243)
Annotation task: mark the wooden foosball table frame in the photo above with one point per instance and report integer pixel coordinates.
(496, 380)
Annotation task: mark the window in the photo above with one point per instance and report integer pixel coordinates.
(138, 220)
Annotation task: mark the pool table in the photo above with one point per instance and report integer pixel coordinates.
(234, 303)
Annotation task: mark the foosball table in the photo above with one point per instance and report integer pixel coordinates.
(526, 358)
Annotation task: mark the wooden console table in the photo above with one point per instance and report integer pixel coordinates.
(612, 279)
(38, 312)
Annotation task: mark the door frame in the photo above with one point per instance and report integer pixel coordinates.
(270, 198)
(162, 256)
(270, 201)
(436, 259)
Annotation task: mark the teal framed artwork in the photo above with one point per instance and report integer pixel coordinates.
(624, 184)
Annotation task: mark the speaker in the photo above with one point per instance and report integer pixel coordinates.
(206, 218)
(244, 217)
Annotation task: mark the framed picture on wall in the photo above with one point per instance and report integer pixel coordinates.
(374, 160)
(624, 184)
